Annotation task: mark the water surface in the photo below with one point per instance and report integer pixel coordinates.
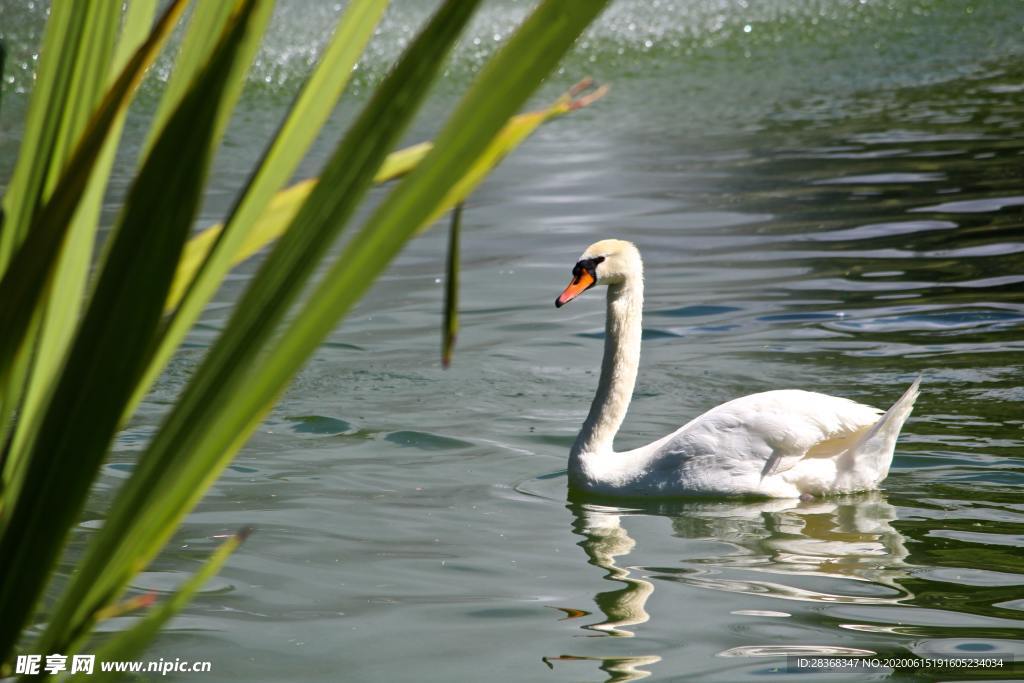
(828, 196)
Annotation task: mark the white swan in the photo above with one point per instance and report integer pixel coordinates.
(781, 444)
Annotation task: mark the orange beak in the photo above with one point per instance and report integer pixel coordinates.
(579, 284)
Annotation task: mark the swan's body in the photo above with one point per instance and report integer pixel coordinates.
(782, 444)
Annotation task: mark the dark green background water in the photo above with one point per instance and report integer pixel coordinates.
(828, 194)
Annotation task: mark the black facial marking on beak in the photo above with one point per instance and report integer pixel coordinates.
(589, 265)
(584, 276)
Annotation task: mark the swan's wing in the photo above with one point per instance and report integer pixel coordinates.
(770, 432)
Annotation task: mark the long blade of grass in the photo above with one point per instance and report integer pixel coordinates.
(275, 218)
(76, 50)
(26, 278)
(190, 442)
(205, 27)
(307, 116)
(76, 53)
(112, 344)
(129, 644)
(61, 313)
(450, 326)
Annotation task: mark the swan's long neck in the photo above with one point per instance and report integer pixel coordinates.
(623, 329)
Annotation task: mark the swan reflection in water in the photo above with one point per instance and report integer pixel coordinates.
(849, 538)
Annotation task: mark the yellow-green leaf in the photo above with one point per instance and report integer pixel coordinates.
(285, 204)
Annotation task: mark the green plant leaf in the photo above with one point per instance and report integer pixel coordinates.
(505, 83)
(60, 314)
(76, 53)
(307, 116)
(113, 343)
(285, 204)
(77, 47)
(450, 326)
(275, 218)
(129, 644)
(226, 400)
(25, 280)
(205, 26)
(188, 448)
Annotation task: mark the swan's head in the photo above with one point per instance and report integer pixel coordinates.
(608, 262)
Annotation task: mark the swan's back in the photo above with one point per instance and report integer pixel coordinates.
(782, 443)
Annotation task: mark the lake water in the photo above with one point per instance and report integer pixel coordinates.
(828, 194)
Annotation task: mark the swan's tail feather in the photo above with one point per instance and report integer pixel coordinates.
(872, 454)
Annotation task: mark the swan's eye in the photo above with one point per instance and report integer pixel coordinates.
(587, 265)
